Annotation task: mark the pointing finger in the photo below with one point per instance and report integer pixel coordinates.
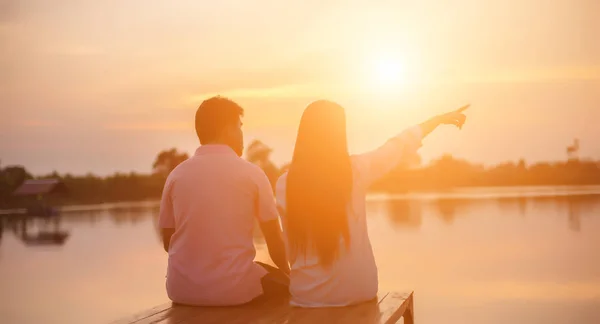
(463, 108)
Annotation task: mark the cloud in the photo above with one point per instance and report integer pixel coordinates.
(297, 85)
(282, 91)
(37, 123)
(149, 126)
(8, 11)
(549, 74)
(74, 50)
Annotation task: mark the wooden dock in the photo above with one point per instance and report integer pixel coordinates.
(389, 307)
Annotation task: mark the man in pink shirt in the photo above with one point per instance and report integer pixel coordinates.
(207, 215)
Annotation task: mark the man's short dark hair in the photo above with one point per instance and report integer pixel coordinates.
(213, 115)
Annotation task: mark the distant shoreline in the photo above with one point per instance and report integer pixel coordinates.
(459, 193)
(453, 177)
(490, 192)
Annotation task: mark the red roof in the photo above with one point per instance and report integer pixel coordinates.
(39, 187)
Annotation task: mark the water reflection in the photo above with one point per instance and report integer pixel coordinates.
(402, 213)
(120, 216)
(516, 205)
(34, 231)
(534, 256)
(574, 216)
(408, 212)
(573, 206)
(45, 231)
(448, 209)
(405, 213)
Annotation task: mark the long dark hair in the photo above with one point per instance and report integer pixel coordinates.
(319, 183)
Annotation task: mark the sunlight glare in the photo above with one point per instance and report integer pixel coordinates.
(387, 73)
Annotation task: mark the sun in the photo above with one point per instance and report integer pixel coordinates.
(387, 73)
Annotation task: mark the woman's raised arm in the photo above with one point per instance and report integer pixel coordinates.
(377, 163)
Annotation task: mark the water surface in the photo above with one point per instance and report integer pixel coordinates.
(526, 255)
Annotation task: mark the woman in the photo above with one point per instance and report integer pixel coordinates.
(322, 204)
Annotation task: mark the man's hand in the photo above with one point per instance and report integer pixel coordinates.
(274, 239)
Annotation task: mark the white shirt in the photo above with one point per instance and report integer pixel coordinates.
(352, 278)
(212, 201)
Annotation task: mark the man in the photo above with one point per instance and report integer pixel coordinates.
(207, 214)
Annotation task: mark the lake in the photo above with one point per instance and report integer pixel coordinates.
(525, 255)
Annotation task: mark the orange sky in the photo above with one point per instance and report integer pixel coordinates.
(104, 85)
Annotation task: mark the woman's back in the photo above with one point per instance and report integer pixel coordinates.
(352, 277)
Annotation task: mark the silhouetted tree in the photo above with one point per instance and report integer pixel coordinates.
(259, 154)
(257, 151)
(166, 161)
(444, 172)
(11, 178)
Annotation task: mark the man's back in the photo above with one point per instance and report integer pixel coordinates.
(211, 200)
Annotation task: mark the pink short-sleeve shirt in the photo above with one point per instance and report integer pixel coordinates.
(212, 201)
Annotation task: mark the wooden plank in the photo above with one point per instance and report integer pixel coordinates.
(145, 314)
(388, 308)
(173, 315)
(275, 315)
(363, 313)
(191, 314)
(259, 314)
(250, 313)
(396, 305)
(367, 312)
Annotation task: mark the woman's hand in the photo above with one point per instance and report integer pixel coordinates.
(456, 118)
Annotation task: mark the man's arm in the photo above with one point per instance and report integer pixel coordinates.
(269, 223)
(166, 217)
(166, 234)
(272, 233)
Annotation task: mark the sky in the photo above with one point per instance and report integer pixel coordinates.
(103, 86)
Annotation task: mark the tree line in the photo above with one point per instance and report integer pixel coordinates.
(445, 172)
(449, 172)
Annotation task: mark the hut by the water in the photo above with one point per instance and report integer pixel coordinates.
(32, 195)
(41, 187)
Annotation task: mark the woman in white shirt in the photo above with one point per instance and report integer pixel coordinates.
(322, 204)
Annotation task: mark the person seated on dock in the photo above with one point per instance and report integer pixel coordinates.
(322, 204)
(207, 213)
